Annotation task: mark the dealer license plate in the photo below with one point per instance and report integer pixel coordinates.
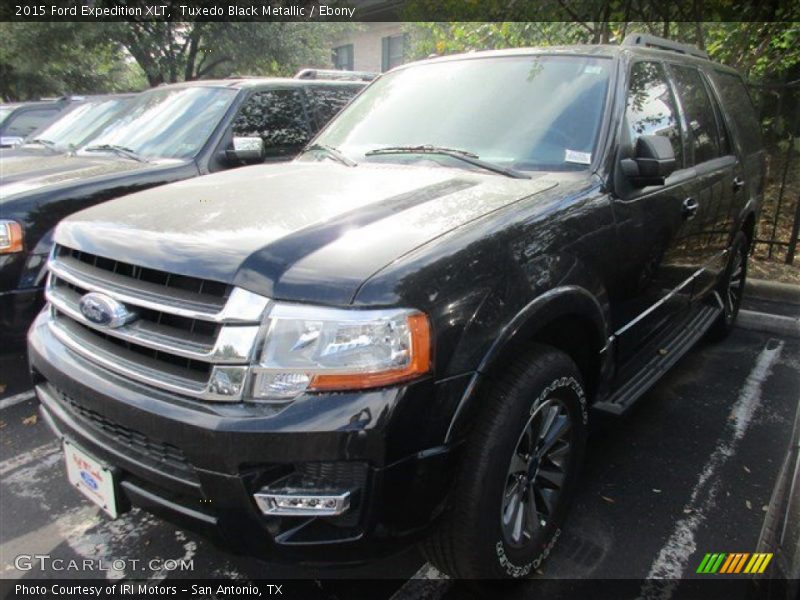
(91, 477)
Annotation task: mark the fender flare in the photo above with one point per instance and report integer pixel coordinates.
(555, 303)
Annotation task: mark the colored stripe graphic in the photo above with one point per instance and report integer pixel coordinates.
(727, 565)
(763, 565)
(755, 562)
(733, 563)
(730, 564)
(711, 563)
(740, 564)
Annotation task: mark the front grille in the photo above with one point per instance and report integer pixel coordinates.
(201, 331)
(194, 285)
(159, 456)
(190, 336)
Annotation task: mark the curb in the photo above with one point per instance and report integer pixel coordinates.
(772, 291)
(775, 324)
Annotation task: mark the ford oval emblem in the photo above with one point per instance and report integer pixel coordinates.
(104, 310)
(89, 480)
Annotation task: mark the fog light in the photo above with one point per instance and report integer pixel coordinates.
(290, 504)
(281, 386)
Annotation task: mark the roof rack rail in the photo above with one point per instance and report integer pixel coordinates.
(652, 41)
(335, 74)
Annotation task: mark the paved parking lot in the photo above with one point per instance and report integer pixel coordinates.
(690, 471)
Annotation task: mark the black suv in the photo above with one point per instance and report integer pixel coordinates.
(400, 335)
(166, 134)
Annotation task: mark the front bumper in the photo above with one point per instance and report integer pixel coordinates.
(199, 464)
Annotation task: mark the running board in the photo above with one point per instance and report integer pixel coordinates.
(682, 337)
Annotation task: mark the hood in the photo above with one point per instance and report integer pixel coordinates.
(304, 231)
(33, 172)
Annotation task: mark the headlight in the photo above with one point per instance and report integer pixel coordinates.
(313, 349)
(10, 237)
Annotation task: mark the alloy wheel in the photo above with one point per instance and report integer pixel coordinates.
(537, 473)
(735, 287)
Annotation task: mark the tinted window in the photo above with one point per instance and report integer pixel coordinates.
(326, 101)
(546, 118)
(277, 117)
(699, 112)
(26, 122)
(650, 107)
(739, 107)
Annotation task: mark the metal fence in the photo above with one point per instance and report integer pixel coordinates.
(779, 110)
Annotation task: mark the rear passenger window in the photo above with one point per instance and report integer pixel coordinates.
(650, 108)
(326, 101)
(276, 116)
(704, 134)
(738, 105)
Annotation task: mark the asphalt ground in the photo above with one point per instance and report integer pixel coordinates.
(688, 471)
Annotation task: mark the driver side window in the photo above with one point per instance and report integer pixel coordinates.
(276, 116)
(650, 106)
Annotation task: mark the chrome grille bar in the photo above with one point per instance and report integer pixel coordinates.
(183, 340)
(233, 345)
(241, 306)
(150, 372)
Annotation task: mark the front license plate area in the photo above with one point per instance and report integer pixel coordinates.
(91, 477)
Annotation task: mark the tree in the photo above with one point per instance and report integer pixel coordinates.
(38, 59)
(759, 50)
(47, 59)
(170, 52)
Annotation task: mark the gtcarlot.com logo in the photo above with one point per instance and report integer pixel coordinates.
(735, 562)
(44, 562)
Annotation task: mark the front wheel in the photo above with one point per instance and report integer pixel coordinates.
(518, 473)
(731, 288)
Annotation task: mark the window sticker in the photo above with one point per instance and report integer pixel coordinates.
(581, 158)
(593, 70)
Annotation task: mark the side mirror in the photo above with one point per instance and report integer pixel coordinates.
(246, 150)
(653, 161)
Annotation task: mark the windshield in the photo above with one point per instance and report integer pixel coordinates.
(81, 123)
(167, 123)
(527, 113)
(4, 112)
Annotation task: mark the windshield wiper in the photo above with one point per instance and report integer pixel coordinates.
(121, 150)
(41, 142)
(334, 153)
(463, 155)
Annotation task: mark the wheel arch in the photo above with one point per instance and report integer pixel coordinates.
(568, 318)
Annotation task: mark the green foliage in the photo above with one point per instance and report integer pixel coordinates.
(170, 52)
(51, 59)
(45, 59)
(761, 51)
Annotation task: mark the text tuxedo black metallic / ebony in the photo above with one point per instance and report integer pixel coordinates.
(414, 338)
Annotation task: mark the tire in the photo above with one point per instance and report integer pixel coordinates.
(731, 288)
(482, 536)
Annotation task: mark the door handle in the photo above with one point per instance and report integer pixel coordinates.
(738, 183)
(690, 207)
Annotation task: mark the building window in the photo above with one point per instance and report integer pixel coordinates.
(343, 57)
(393, 51)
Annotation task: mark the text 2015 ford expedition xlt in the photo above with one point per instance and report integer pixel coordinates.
(401, 335)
